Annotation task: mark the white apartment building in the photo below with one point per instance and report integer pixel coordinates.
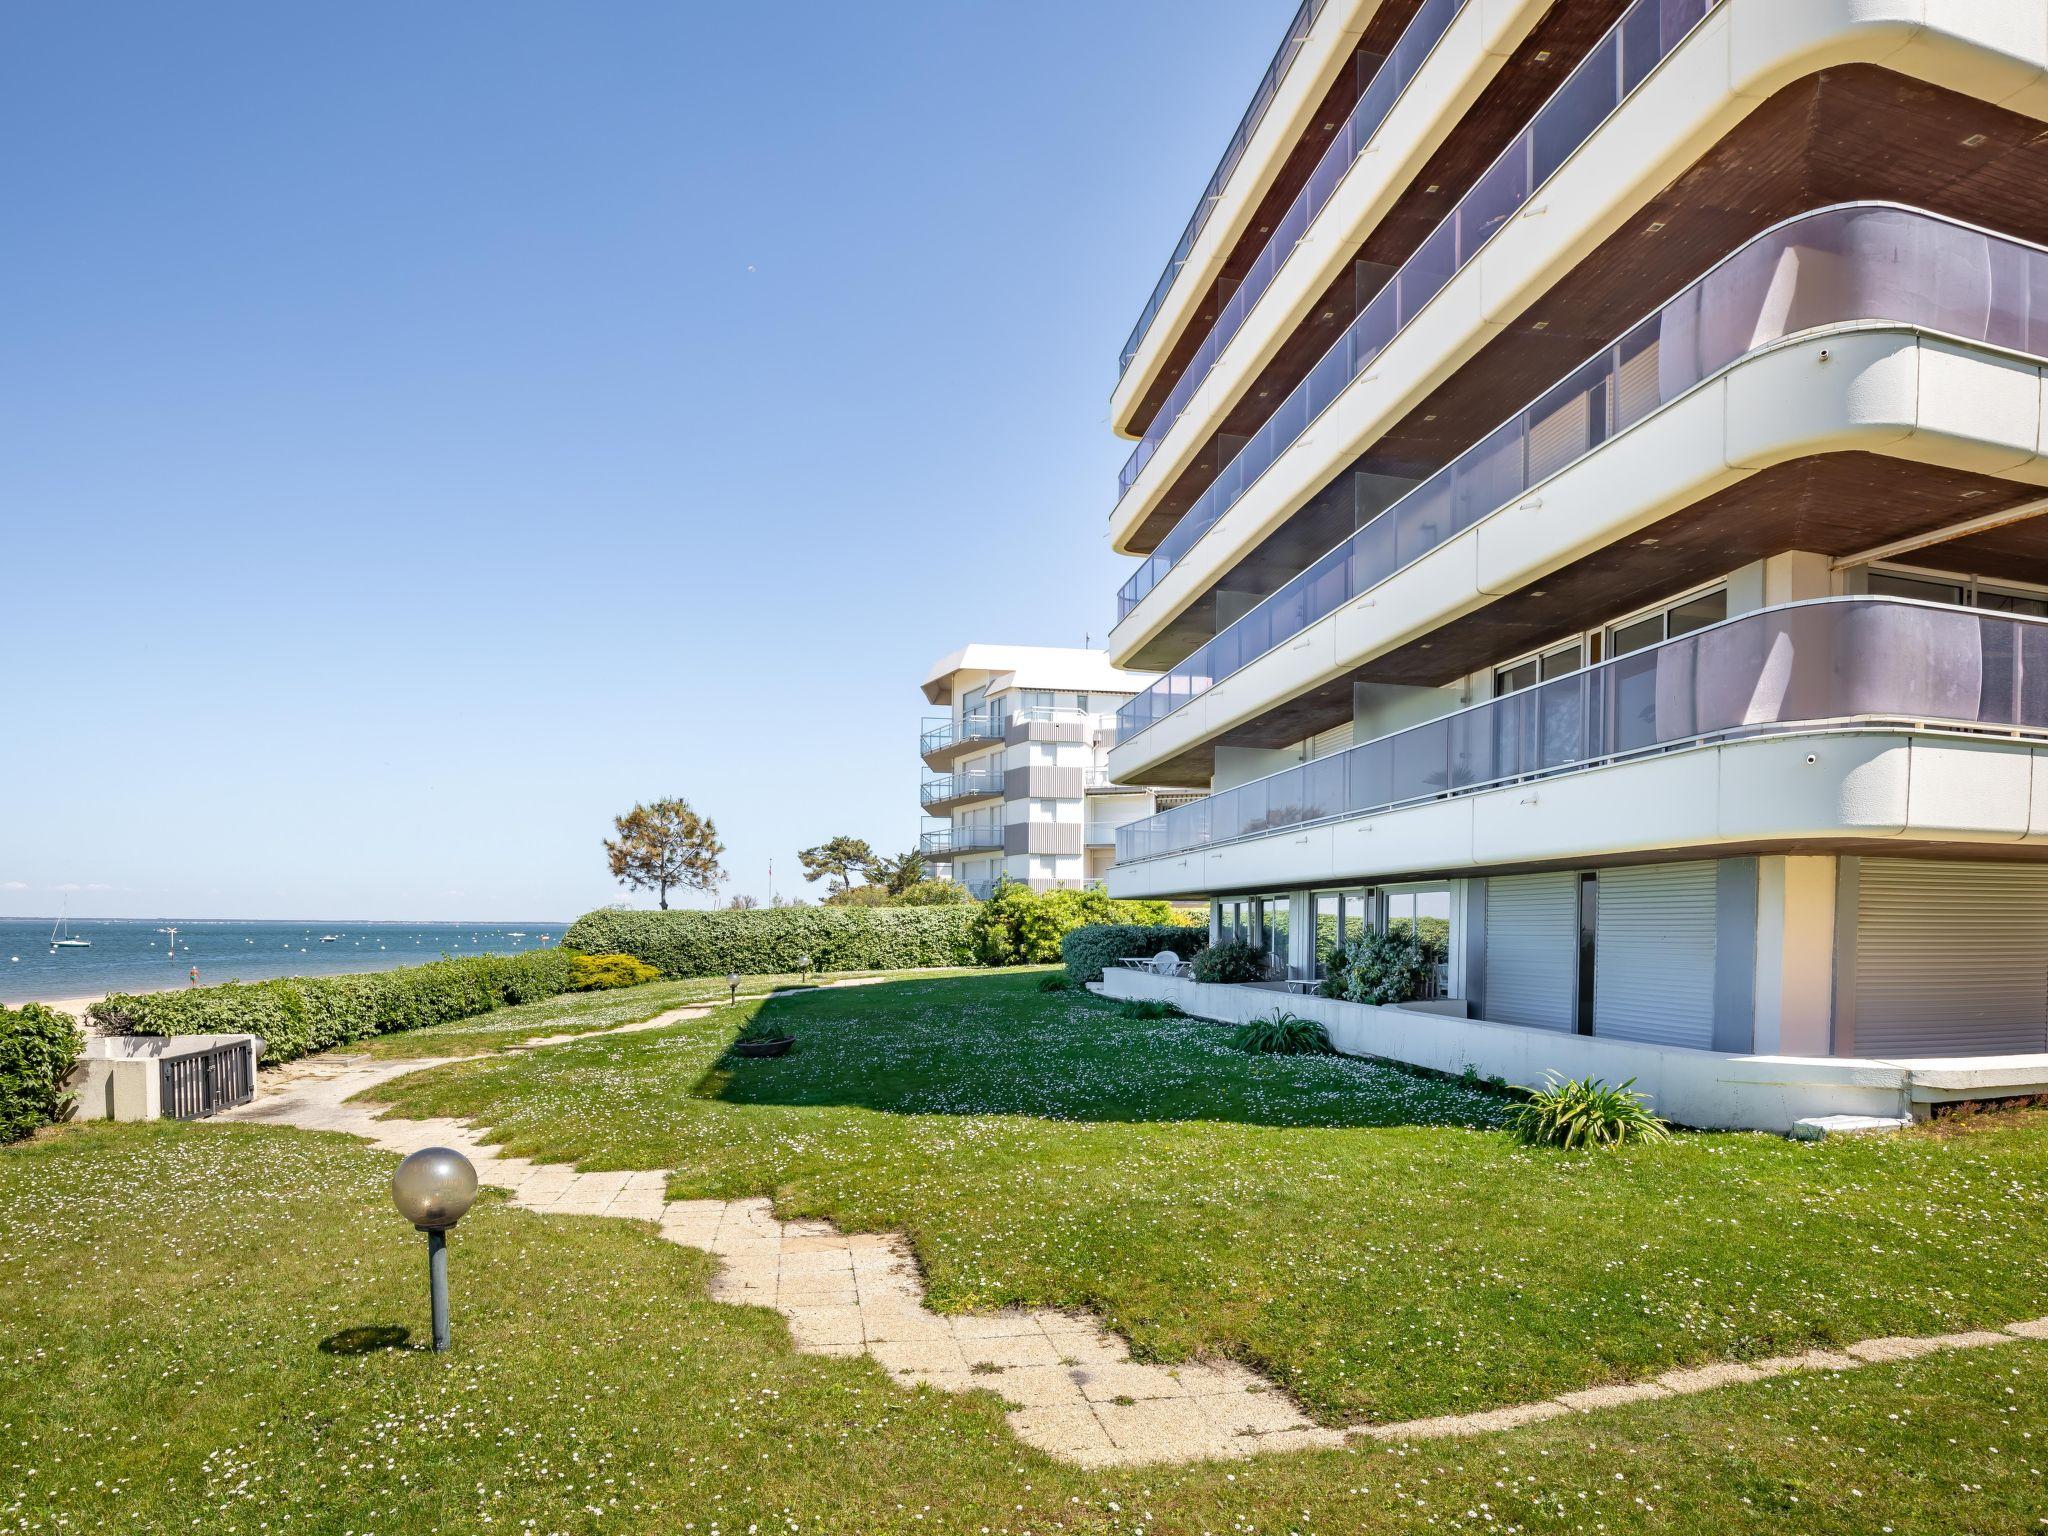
(1588, 488)
(1017, 786)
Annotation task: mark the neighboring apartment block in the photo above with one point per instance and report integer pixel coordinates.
(1588, 483)
(1017, 785)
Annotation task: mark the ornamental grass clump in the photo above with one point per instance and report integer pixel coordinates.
(1144, 1009)
(1582, 1112)
(1283, 1034)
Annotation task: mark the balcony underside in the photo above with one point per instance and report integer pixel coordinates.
(1890, 792)
(1854, 132)
(945, 804)
(941, 756)
(1534, 70)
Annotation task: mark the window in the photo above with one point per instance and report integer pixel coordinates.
(1340, 918)
(1424, 911)
(1928, 590)
(1275, 909)
(1560, 661)
(1884, 584)
(1681, 618)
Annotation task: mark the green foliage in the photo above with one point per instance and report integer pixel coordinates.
(38, 1046)
(1140, 1009)
(298, 1016)
(759, 1028)
(1282, 1034)
(596, 973)
(1584, 1112)
(1230, 962)
(773, 940)
(836, 861)
(1020, 926)
(1054, 982)
(665, 845)
(934, 893)
(1382, 968)
(1086, 950)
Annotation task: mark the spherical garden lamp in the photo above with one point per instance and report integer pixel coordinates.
(433, 1189)
(732, 985)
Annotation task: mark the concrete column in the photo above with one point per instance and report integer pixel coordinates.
(1795, 955)
(1791, 577)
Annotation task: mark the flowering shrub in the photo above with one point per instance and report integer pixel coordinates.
(596, 973)
(38, 1046)
(297, 1016)
(1383, 968)
(1235, 961)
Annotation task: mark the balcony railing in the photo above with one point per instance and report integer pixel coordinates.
(1418, 40)
(1863, 262)
(948, 841)
(976, 725)
(1255, 114)
(960, 786)
(1646, 33)
(1836, 662)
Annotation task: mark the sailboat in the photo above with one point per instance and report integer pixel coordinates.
(60, 937)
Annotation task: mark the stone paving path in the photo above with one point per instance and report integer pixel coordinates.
(1071, 1387)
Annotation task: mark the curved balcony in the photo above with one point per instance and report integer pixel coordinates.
(1425, 28)
(1836, 266)
(942, 794)
(947, 842)
(945, 739)
(1642, 38)
(1269, 86)
(1853, 663)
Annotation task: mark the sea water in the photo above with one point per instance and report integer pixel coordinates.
(136, 954)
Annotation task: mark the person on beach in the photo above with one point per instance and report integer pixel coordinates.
(195, 975)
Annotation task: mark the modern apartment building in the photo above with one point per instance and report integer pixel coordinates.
(1588, 482)
(1017, 786)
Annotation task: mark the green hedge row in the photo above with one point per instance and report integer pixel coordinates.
(771, 940)
(1087, 950)
(38, 1046)
(300, 1015)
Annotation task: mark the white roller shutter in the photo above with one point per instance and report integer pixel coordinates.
(1951, 959)
(1653, 954)
(1336, 739)
(1532, 951)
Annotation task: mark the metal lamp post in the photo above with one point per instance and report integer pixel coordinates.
(732, 985)
(433, 1189)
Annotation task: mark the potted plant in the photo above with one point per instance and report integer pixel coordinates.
(761, 1038)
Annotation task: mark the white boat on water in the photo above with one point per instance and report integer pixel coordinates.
(330, 938)
(60, 937)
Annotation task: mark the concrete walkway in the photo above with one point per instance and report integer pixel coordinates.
(1071, 1387)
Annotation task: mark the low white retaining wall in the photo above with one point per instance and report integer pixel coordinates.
(1707, 1089)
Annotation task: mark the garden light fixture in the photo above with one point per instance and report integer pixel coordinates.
(732, 984)
(432, 1189)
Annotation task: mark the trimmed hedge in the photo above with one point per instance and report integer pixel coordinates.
(1087, 950)
(298, 1016)
(38, 1047)
(771, 940)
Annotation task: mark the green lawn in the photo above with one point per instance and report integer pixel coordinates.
(1357, 1232)
(168, 1290)
(585, 1011)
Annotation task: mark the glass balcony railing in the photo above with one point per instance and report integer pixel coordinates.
(948, 841)
(1418, 40)
(1862, 262)
(960, 786)
(1856, 662)
(976, 725)
(1646, 33)
(1269, 86)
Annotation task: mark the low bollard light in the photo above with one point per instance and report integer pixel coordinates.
(732, 985)
(433, 1189)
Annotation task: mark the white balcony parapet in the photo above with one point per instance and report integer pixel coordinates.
(1875, 262)
(1857, 663)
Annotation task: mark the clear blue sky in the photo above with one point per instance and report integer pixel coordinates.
(430, 428)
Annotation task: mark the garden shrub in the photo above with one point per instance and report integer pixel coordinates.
(1086, 950)
(769, 941)
(1235, 961)
(1053, 982)
(598, 973)
(38, 1047)
(1584, 1112)
(1142, 1009)
(1020, 926)
(1384, 968)
(1282, 1034)
(297, 1016)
